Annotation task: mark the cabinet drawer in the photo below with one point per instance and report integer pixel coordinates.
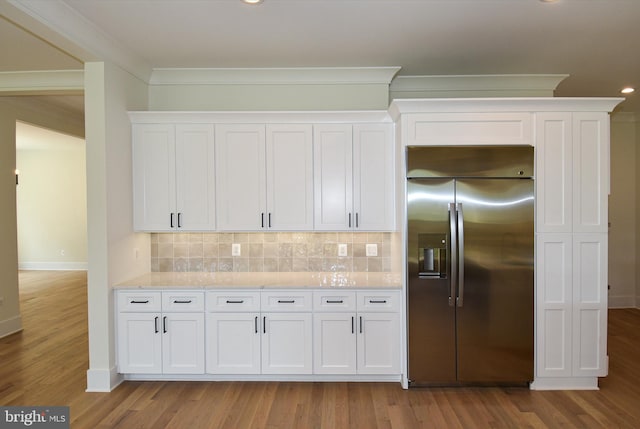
(139, 301)
(233, 301)
(383, 301)
(286, 301)
(337, 300)
(182, 301)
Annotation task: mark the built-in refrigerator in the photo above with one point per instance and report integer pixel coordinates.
(470, 238)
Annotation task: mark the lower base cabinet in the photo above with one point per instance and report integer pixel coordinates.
(245, 333)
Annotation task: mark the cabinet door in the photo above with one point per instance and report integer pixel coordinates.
(554, 172)
(286, 343)
(590, 171)
(183, 343)
(154, 186)
(240, 177)
(554, 305)
(195, 179)
(289, 177)
(378, 343)
(373, 179)
(334, 343)
(233, 343)
(333, 179)
(139, 343)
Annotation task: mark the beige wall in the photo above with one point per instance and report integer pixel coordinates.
(637, 209)
(622, 211)
(26, 110)
(52, 202)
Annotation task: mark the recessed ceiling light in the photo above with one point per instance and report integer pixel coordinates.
(252, 1)
(627, 90)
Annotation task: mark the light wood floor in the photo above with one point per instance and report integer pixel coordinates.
(46, 365)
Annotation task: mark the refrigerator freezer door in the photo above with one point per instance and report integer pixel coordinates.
(431, 313)
(495, 322)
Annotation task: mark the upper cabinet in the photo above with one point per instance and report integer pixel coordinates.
(572, 171)
(173, 177)
(264, 177)
(353, 177)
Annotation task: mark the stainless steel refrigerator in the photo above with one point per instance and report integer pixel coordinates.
(470, 256)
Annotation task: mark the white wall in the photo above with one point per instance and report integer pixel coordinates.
(51, 200)
(623, 212)
(109, 93)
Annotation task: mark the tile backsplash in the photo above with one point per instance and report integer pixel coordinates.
(270, 252)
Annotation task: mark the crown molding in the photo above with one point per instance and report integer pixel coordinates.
(64, 28)
(261, 117)
(536, 83)
(70, 82)
(273, 76)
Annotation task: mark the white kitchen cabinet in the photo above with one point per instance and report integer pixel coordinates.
(173, 177)
(353, 177)
(233, 343)
(264, 177)
(360, 336)
(286, 343)
(154, 341)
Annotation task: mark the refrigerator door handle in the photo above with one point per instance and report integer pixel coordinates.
(460, 217)
(454, 254)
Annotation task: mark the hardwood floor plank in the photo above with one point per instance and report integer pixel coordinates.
(46, 364)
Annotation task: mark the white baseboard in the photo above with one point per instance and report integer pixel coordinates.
(622, 301)
(10, 326)
(103, 380)
(53, 266)
(565, 383)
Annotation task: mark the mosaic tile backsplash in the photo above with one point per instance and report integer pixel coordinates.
(269, 252)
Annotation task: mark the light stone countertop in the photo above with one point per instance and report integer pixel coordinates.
(263, 280)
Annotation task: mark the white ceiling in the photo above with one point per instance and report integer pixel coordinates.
(596, 42)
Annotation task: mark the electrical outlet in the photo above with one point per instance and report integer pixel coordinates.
(342, 249)
(372, 249)
(236, 249)
(1, 301)
(62, 252)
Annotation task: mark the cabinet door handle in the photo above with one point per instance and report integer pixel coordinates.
(231, 301)
(377, 301)
(361, 324)
(286, 301)
(179, 223)
(262, 220)
(353, 325)
(269, 220)
(164, 324)
(356, 220)
(155, 322)
(334, 301)
(171, 220)
(256, 324)
(264, 324)
(349, 220)
(139, 302)
(186, 301)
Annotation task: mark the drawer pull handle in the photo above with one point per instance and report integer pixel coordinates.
(377, 301)
(186, 301)
(335, 301)
(286, 301)
(139, 302)
(238, 301)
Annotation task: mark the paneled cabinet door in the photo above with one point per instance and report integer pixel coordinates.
(173, 177)
(333, 177)
(240, 173)
(233, 343)
(334, 338)
(287, 343)
(373, 184)
(154, 173)
(139, 343)
(289, 179)
(183, 343)
(378, 343)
